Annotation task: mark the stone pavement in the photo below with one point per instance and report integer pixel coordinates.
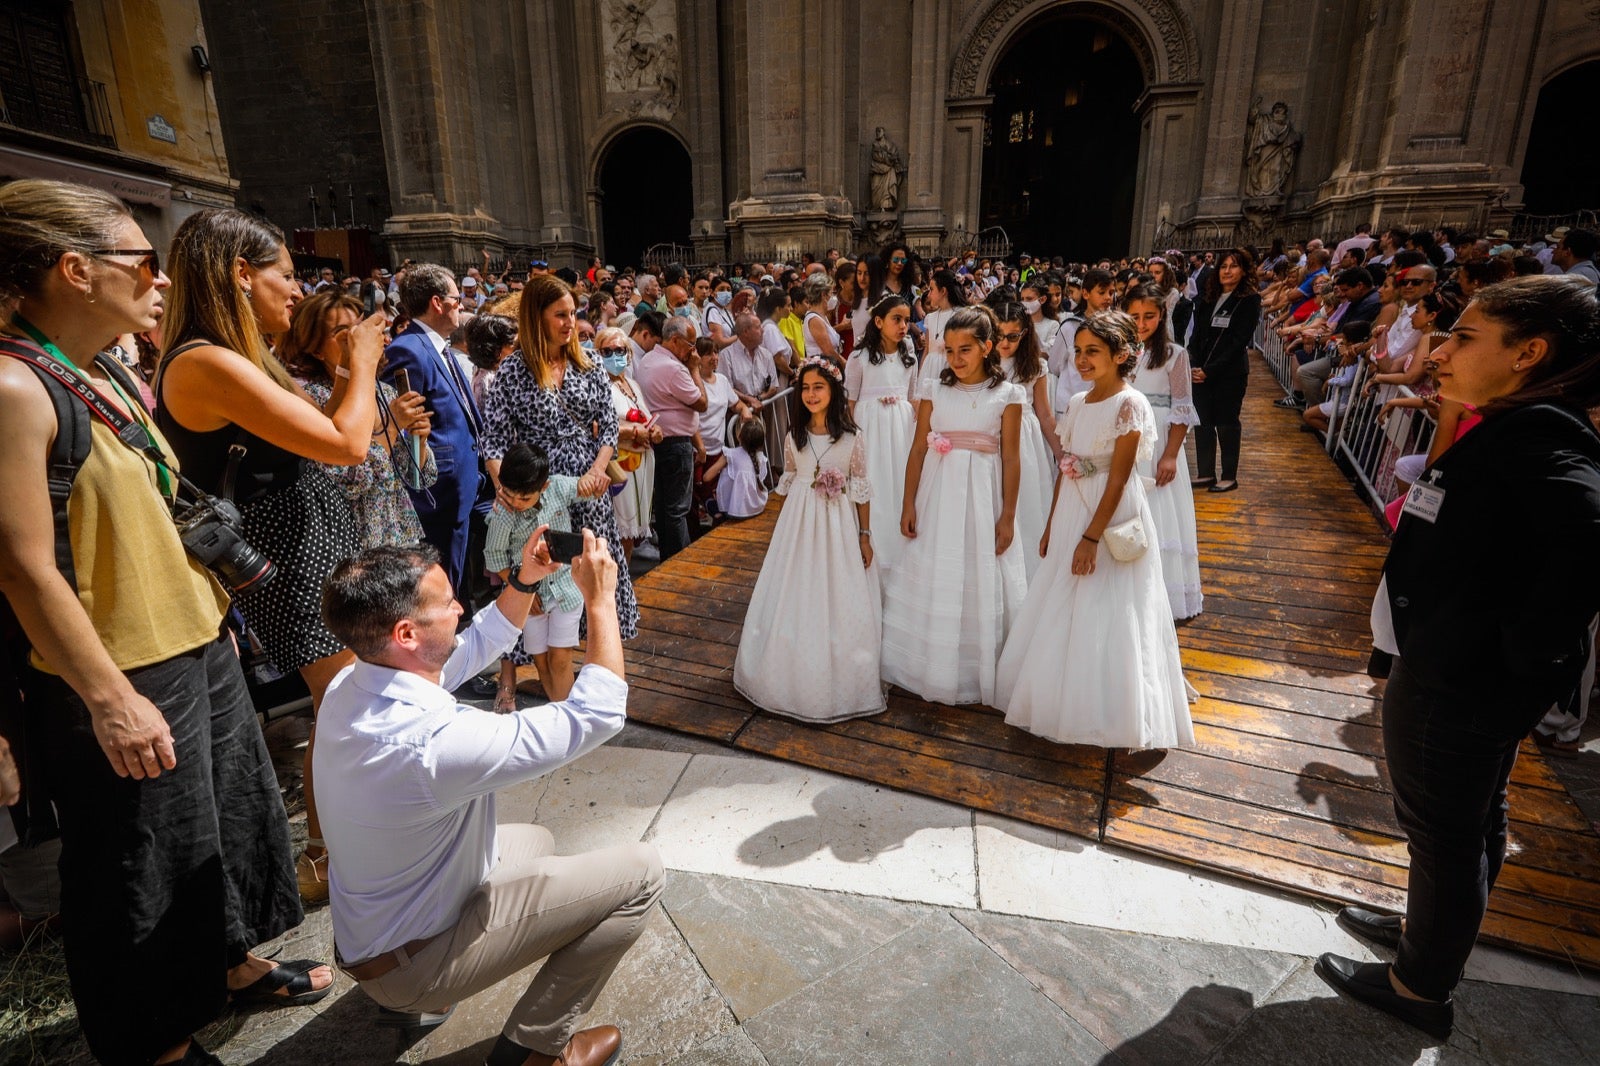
(811, 918)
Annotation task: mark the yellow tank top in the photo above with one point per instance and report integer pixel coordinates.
(147, 599)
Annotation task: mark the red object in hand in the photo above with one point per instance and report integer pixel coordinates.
(636, 415)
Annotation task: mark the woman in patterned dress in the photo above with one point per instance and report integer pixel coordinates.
(551, 394)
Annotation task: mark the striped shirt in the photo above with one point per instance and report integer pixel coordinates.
(509, 531)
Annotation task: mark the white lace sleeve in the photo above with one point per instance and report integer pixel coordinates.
(855, 372)
(1135, 416)
(1181, 380)
(860, 486)
(787, 479)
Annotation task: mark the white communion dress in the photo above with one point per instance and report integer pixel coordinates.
(1094, 659)
(809, 649)
(886, 413)
(1038, 468)
(949, 601)
(1169, 389)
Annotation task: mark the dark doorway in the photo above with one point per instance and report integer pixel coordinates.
(1061, 147)
(1559, 173)
(645, 180)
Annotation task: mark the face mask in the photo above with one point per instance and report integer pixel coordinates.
(684, 312)
(971, 263)
(724, 299)
(1031, 306)
(616, 365)
(587, 346)
(833, 302)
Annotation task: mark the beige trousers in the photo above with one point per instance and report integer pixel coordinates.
(583, 911)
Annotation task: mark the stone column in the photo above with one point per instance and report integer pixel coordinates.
(702, 93)
(552, 82)
(922, 199)
(1227, 123)
(796, 200)
(428, 136)
(1167, 121)
(963, 161)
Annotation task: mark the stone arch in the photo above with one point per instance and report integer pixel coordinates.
(1160, 32)
(601, 142)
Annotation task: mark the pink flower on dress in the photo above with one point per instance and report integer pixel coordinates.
(939, 442)
(828, 484)
(1076, 466)
(889, 401)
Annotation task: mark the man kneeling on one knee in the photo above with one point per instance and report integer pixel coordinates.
(432, 902)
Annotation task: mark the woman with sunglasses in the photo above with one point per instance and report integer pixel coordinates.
(637, 436)
(176, 857)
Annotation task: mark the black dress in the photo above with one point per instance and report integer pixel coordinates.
(293, 514)
(571, 424)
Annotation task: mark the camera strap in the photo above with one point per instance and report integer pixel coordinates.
(130, 431)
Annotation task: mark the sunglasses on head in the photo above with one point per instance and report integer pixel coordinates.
(148, 257)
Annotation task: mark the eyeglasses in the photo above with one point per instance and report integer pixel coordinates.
(1407, 282)
(1010, 338)
(898, 259)
(148, 257)
(613, 352)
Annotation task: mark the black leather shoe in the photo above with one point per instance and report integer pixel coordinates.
(1370, 925)
(1369, 983)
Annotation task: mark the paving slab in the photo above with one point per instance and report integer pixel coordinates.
(773, 821)
(609, 796)
(935, 994)
(761, 942)
(1030, 870)
(1118, 985)
(733, 1048)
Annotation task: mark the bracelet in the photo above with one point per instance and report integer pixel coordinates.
(342, 371)
(1091, 540)
(864, 533)
(518, 584)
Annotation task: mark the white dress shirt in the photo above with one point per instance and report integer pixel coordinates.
(749, 370)
(405, 778)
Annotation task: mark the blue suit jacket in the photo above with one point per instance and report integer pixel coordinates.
(454, 436)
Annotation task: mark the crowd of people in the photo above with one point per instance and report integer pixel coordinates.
(421, 482)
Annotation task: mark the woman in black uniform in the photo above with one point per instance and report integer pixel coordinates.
(1492, 583)
(1224, 327)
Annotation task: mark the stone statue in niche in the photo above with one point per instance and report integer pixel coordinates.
(1274, 146)
(644, 48)
(888, 167)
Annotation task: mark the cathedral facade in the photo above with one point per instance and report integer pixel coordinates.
(743, 129)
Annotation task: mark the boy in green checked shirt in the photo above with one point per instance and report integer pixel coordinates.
(530, 497)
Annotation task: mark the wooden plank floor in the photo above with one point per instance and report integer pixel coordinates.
(1286, 784)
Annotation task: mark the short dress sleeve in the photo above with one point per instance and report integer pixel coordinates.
(1180, 379)
(860, 486)
(787, 480)
(1135, 416)
(854, 375)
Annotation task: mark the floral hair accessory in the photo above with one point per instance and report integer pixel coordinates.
(1078, 466)
(939, 442)
(816, 362)
(828, 483)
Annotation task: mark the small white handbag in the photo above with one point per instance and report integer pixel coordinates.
(1126, 541)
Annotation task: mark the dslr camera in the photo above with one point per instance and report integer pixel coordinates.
(212, 531)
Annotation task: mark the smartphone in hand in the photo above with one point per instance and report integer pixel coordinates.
(564, 547)
(402, 380)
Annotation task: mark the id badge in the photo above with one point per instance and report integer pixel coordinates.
(1220, 320)
(1424, 501)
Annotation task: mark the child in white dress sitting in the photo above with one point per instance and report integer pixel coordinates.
(742, 489)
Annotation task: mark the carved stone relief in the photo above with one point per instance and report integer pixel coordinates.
(643, 57)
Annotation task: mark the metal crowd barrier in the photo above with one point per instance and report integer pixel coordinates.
(1270, 345)
(1372, 445)
(775, 416)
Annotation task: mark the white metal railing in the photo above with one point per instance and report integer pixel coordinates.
(1281, 363)
(1371, 444)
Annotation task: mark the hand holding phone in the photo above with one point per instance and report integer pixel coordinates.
(564, 547)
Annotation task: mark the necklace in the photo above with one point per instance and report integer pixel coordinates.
(973, 391)
(812, 444)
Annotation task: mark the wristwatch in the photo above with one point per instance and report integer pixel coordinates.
(520, 586)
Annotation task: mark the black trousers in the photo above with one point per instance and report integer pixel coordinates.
(674, 494)
(169, 881)
(1448, 769)
(1218, 404)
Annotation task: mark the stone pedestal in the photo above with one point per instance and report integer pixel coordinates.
(879, 228)
(455, 241)
(783, 226)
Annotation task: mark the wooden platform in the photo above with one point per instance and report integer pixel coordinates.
(1286, 785)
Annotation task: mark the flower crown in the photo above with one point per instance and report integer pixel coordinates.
(816, 362)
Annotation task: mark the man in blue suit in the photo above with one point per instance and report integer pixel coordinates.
(428, 293)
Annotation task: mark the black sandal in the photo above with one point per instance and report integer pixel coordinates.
(1219, 487)
(1202, 482)
(293, 978)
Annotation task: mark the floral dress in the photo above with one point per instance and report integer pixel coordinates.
(379, 503)
(571, 424)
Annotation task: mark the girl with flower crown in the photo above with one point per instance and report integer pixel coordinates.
(960, 579)
(1093, 657)
(819, 574)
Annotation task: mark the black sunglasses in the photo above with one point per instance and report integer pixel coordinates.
(148, 257)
